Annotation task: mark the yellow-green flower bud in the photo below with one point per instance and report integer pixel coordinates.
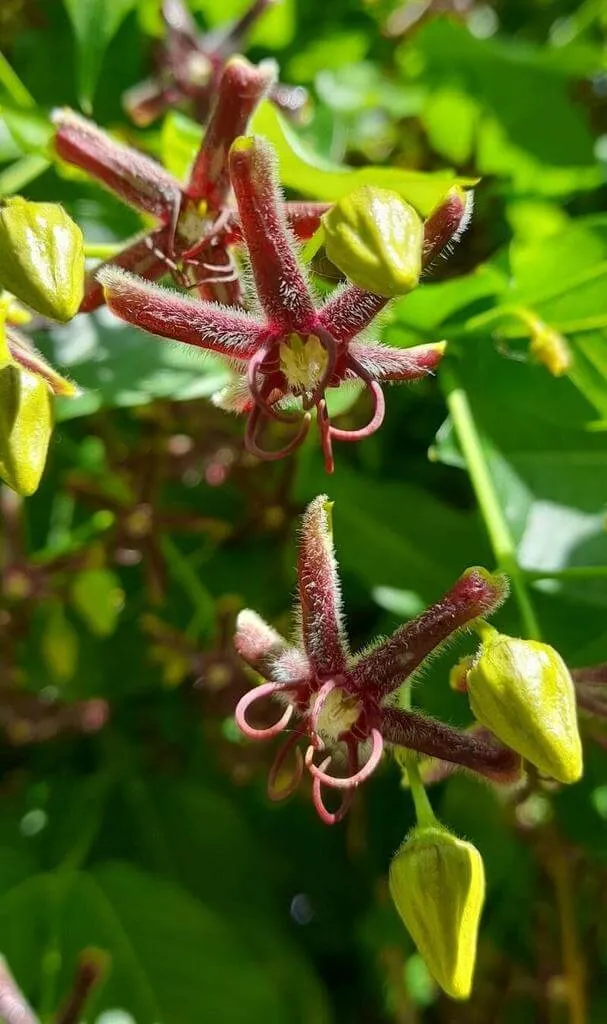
(438, 885)
(523, 692)
(26, 424)
(549, 347)
(41, 257)
(376, 239)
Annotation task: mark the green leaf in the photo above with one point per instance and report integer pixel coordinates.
(274, 30)
(341, 49)
(396, 557)
(118, 365)
(358, 87)
(405, 604)
(180, 139)
(98, 598)
(548, 472)
(172, 959)
(514, 99)
(312, 176)
(450, 118)
(31, 130)
(95, 23)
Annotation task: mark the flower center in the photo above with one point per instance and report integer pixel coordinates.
(198, 69)
(339, 712)
(303, 360)
(193, 223)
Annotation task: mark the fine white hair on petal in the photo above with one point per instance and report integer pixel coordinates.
(255, 640)
(171, 314)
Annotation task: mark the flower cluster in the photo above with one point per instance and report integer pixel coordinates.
(197, 221)
(343, 708)
(293, 350)
(189, 66)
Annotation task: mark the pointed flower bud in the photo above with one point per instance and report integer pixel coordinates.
(437, 883)
(41, 257)
(25, 428)
(549, 347)
(376, 239)
(523, 692)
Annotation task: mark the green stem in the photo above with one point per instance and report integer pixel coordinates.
(423, 808)
(185, 574)
(500, 536)
(313, 245)
(572, 572)
(13, 85)
(19, 174)
(408, 760)
(101, 250)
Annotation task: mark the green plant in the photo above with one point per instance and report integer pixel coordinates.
(135, 676)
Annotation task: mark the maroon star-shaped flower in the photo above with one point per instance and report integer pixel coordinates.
(198, 223)
(343, 707)
(292, 351)
(189, 66)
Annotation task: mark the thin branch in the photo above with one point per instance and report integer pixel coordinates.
(502, 541)
(90, 969)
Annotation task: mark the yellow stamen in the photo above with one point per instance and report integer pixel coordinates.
(303, 361)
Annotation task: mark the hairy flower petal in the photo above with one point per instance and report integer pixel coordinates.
(384, 363)
(350, 310)
(171, 315)
(256, 641)
(241, 88)
(384, 668)
(280, 283)
(138, 180)
(470, 750)
(319, 592)
(144, 256)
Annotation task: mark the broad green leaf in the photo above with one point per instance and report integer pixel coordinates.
(337, 50)
(563, 280)
(547, 470)
(172, 959)
(118, 365)
(397, 555)
(516, 99)
(450, 117)
(95, 23)
(352, 89)
(312, 176)
(180, 139)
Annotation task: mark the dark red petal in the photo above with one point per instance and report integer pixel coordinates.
(241, 88)
(319, 591)
(476, 593)
(281, 286)
(172, 315)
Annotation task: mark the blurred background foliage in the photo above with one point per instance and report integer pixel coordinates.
(133, 817)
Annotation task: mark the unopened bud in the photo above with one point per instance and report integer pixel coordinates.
(549, 347)
(523, 692)
(458, 676)
(437, 883)
(26, 424)
(376, 239)
(41, 257)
